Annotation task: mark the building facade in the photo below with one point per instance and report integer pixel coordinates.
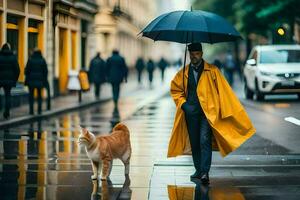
(70, 32)
(118, 24)
(23, 24)
(72, 21)
(59, 28)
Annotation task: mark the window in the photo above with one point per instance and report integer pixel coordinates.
(280, 56)
(32, 35)
(12, 33)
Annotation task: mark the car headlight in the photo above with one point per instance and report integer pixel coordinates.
(266, 73)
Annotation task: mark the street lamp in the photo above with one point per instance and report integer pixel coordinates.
(280, 31)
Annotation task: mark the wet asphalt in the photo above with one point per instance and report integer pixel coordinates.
(42, 160)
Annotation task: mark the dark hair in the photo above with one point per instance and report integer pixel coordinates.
(195, 47)
(5, 46)
(115, 51)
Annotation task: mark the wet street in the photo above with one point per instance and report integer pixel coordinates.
(42, 160)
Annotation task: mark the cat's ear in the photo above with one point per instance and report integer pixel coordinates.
(84, 130)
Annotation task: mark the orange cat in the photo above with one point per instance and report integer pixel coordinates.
(103, 149)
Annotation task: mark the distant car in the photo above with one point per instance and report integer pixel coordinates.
(272, 69)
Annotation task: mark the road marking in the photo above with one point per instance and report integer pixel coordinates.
(231, 165)
(293, 120)
(282, 105)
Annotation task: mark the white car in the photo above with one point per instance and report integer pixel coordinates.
(272, 69)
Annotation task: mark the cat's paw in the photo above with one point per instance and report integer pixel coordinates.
(94, 177)
(103, 178)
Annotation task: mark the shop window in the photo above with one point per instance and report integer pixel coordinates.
(15, 33)
(32, 36)
(12, 33)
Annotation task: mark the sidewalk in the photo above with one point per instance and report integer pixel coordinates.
(62, 104)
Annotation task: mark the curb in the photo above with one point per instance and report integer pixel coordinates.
(27, 119)
(47, 114)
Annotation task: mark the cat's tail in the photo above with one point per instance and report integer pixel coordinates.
(121, 127)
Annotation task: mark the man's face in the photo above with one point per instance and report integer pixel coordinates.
(196, 57)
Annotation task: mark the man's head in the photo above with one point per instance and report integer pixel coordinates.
(115, 51)
(195, 50)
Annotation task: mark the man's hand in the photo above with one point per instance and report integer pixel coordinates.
(190, 109)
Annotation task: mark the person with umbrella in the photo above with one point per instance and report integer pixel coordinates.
(208, 113)
(206, 107)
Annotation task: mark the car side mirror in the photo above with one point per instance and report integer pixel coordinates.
(251, 62)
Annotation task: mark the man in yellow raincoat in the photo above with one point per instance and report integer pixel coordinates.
(209, 115)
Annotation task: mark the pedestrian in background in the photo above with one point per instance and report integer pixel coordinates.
(150, 69)
(36, 73)
(162, 64)
(97, 73)
(9, 74)
(179, 63)
(229, 68)
(117, 72)
(140, 66)
(218, 63)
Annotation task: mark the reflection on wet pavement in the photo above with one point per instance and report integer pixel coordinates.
(107, 190)
(43, 161)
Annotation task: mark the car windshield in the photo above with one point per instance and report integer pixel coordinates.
(280, 56)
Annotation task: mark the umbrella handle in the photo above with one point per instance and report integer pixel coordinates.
(184, 62)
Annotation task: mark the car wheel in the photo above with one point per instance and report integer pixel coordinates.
(248, 93)
(259, 95)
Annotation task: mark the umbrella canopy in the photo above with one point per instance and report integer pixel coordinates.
(189, 27)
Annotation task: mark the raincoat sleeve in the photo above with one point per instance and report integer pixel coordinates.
(229, 103)
(177, 90)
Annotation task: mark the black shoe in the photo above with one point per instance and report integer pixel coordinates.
(6, 115)
(205, 179)
(197, 175)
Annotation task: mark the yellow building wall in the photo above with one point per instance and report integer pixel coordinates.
(21, 47)
(41, 37)
(63, 57)
(74, 49)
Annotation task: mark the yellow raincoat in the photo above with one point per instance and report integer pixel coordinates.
(229, 121)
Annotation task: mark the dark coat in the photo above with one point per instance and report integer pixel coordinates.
(36, 71)
(150, 66)
(97, 71)
(162, 64)
(9, 69)
(140, 65)
(116, 68)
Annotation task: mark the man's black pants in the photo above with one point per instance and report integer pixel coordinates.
(31, 100)
(97, 90)
(200, 138)
(116, 91)
(139, 76)
(7, 93)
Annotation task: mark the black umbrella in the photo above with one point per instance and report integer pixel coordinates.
(190, 27)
